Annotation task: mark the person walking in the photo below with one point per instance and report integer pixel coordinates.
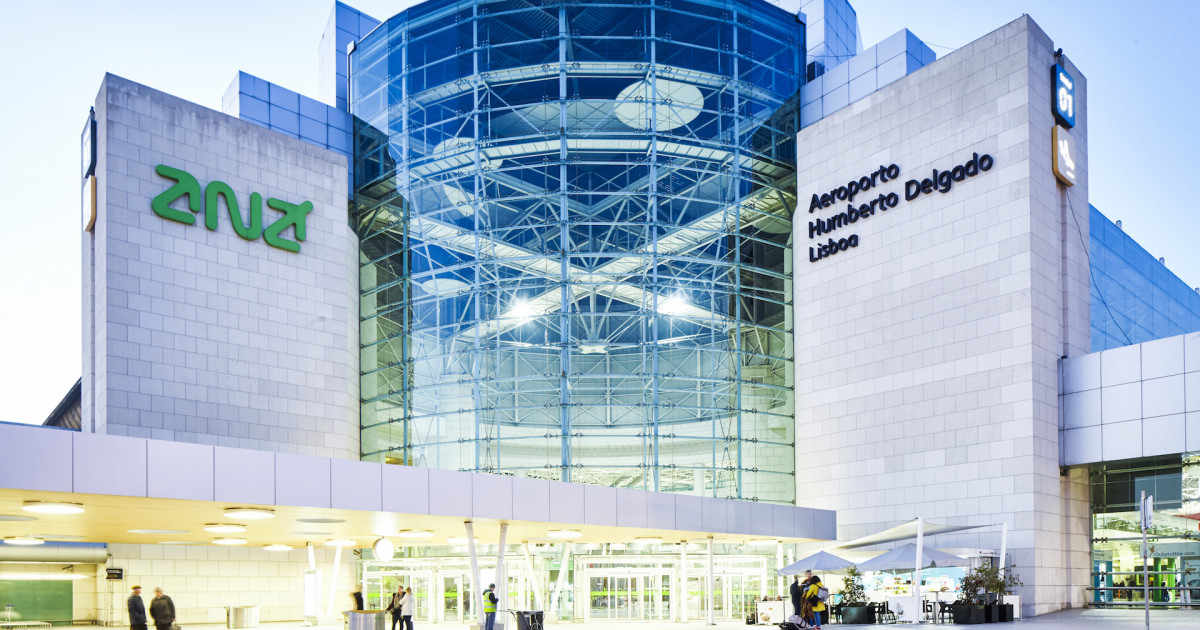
(137, 610)
(357, 596)
(406, 608)
(489, 607)
(162, 610)
(813, 598)
(396, 607)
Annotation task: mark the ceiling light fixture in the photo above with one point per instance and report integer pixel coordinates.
(249, 513)
(278, 547)
(224, 528)
(415, 533)
(229, 541)
(564, 534)
(52, 507)
(23, 540)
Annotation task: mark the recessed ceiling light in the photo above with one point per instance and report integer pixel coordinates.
(224, 528)
(564, 534)
(415, 533)
(229, 541)
(157, 531)
(249, 513)
(23, 540)
(320, 520)
(16, 517)
(52, 507)
(278, 547)
(340, 542)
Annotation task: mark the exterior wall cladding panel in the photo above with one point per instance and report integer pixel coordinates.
(927, 356)
(574, 224)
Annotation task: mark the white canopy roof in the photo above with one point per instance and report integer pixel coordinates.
(903, 531)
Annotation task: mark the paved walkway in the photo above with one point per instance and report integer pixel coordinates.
(1082, 619)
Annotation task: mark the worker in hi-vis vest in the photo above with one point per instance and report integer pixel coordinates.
(489, 607)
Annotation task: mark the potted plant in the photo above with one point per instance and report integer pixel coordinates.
(855, 607)
(969, 607)
(982, 589)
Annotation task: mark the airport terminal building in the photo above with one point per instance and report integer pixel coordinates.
(623, 305)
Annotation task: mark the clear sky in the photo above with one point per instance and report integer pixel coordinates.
(1140, 59)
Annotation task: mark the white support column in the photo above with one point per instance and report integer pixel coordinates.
(711, 582)
(917, 605)
(561, 583)
(534, 582)
(501, 578)
(476, 589)
(333, 580)
(780, 580)
(683, 580)
(1003, 548)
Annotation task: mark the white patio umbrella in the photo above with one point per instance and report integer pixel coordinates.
(904, 559)
(820, 561)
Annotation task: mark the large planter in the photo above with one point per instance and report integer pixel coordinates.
(967, 613)
(991, 613)
(858, 614)
(1006, 612)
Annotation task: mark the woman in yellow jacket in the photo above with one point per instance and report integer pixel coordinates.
(818, 606)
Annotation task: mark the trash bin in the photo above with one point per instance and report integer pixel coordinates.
(366, 620)
(241, 616)
(529, 619)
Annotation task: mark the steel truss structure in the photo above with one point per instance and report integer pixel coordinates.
(575, 225)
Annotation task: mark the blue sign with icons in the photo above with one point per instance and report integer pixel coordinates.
(1064, 96)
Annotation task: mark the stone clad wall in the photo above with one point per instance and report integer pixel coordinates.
(927, 354)
(200, 335)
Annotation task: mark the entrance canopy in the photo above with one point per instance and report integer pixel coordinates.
(134, 490)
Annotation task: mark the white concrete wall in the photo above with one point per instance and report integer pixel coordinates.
(927, 356)
(1135, 401)
(203, 580)
(198, 335)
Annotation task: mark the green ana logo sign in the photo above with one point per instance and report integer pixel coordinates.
(248, 227)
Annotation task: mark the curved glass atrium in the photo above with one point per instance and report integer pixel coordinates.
(575, 224)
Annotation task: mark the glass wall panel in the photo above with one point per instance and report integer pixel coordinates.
(574, 223)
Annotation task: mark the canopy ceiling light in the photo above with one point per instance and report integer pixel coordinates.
(52, 507)
(278, 547)
(249, 513)
(415, 533)
(229, 541)
(224, 528)
(564, 534)
(23, 540)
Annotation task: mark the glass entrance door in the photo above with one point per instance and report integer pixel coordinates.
(454, 597)
(379, 587)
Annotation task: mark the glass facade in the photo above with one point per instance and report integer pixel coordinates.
(575, 226)
(1174, 538)
(1135, 298)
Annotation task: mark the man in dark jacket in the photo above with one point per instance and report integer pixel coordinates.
(137, 610)
(162, 610)
(797, 595)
